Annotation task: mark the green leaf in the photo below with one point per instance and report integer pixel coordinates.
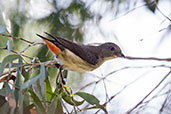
(70, 100)
(31, 81)
(54, 94)
(18, 80)
(17, 84)
(42, 85)
(52, 106)
(55, 106)
(88, 97)
(37, 102)
(97, 107)
(49, 91)
(21, 99)
(26, 74)
(59, 109)
(13, 65)
(91, 99)
(18, 95)
(8, 59)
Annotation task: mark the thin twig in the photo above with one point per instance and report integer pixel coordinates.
(165, 103)
(33, 44)
(18, 38)
(128, 112)
(17, 53)
(32, 65)
(161, 11)
(131, 10)
(148, 58)
(120, 69)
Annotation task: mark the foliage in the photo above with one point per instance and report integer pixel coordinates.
(23, 96)
(26, 83)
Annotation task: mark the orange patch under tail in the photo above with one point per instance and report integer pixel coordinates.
(53, 48)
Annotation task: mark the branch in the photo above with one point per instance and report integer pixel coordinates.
(128, 112)
(46, 64)
(20, 53)
(161, 11)
(17, 53)
(133, 9)
(148, 58)
(7, 35)
(118, 70)
(33, 44)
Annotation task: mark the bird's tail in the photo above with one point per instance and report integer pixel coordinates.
(44, 38)
(52, 36)
(51, 45)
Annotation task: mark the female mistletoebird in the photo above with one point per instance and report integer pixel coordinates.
(79, 57)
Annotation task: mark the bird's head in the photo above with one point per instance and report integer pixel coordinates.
(110, 50)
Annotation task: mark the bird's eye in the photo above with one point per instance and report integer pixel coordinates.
(112, 48)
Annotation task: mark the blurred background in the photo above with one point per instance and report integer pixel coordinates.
(142, 28)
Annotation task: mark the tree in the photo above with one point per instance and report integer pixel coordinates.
(28, 72)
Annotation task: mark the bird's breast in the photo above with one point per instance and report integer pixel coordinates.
(73, 62)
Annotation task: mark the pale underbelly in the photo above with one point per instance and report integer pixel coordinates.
(74, 63)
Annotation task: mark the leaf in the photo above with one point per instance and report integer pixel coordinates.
(26, 74)
(88, 97)
(37, 102)
(91, 99)
(18, 95)
(55, 107)
(59, 108)
(14, 65)
(31, 81)
(21, 98)
(18, 80)
(49, 91)
(42, 85)
(70, 100)
(17, 84)
(52, 106)
(98, 106)
(7, 60)
(55, 93)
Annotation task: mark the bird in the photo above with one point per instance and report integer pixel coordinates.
(80, 57)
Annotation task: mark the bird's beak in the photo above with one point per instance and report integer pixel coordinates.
(121, 55)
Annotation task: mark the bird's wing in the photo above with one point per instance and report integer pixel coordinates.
(83, 51)
(52, 41)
